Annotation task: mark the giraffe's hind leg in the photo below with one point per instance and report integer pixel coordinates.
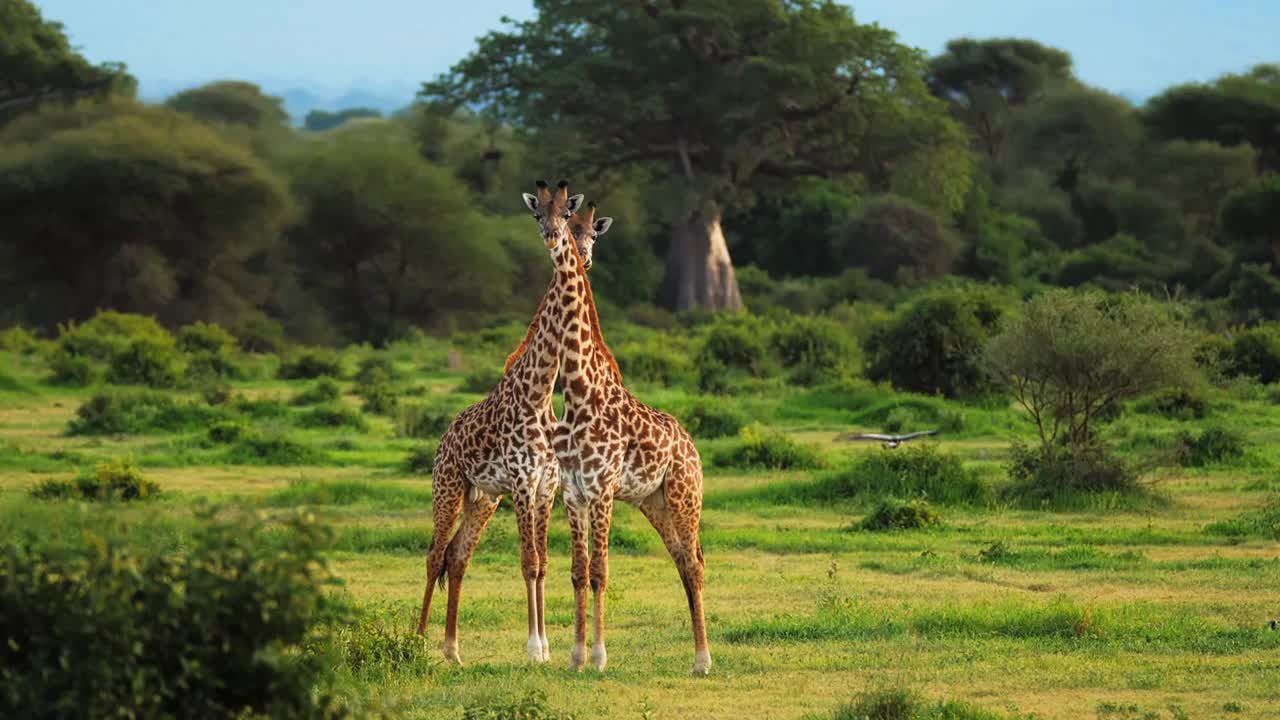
(448, 493)
(675, 511)
(477, 511)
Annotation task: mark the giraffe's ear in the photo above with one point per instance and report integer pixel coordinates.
(575, 202)
(530, 202)
(602, 225)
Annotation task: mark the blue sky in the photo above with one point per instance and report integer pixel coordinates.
(387, 47)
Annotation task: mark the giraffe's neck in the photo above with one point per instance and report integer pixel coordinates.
(533, 373)
(588, 368)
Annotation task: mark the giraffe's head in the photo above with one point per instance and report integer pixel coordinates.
(586, 228)
(552, 209)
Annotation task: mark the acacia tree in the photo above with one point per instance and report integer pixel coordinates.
(1232, 110)
(722, 98)
(38, 63)
(986, 80)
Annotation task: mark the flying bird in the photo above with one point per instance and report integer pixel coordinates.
(890, 441)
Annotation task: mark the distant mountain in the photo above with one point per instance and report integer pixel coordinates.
(300, 100)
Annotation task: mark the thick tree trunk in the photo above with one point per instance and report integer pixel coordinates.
(699, 271)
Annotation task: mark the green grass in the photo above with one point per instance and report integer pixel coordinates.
(1088, 607)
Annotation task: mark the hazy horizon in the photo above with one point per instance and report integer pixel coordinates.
(381, 54)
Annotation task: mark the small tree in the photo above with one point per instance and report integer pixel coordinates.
(1072, 355)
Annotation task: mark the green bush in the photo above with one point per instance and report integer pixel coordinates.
(707, 419)
(422, 421)
(481, 381)
(934, 345)
(260, 334)
(215, 392)
(72, 370)
(273, 449)
(214, 631)
(902, 704)
(376, 369)
(1263, 522)
(372, 647)
(890, 514)
(815, 349)
(1037, 476)
(109, 333)
(736, 343)
(379, 399)
(200, 337)
(122, 412)
(422, 459)
(226, 431)
(913, 471)
(20, 340)
(1256, 353)
(651, 362)
(1175, 404)
(325, 390)
(310, 364)
(1212, 446)
(262, 408)
(332, 416)
(115, 480)
(146, 362)
(533, 706)
(758, 447)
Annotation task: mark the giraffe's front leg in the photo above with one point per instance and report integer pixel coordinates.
(579, 527)
(546, 499)
(526, 506)
(601, 519)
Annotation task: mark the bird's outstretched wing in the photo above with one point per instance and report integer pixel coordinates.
(887, 438)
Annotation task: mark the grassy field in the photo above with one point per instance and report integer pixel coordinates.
(1114, 608)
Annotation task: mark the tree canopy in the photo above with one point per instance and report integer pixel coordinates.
(37, 63)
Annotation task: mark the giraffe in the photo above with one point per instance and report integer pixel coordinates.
(502, 445)
(613, 446)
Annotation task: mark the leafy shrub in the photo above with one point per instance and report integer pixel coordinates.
(115, 480)
(934, 345)
(652, 363)
(758, 447)
(201, 337)
(310, 364)
(324, 391)
(273, 449)
(481, 380)
(1263, 522)
(1038, 475)
(260, 334)
(533, 706)
(376, 369)
(422, 421)
(332, 416)
(892, 514)
(422, 459)
(1256, 353)
(211, 632)
(72, 370)
(54, 489)
(373, 646)
(903, 704)
(737, 344)
(379, 399)
(1175, 404)
(815, 349)
(1213, 446)
(146, 362)
(109, 333)
(226, 431)
(707, 419)
(19, 340)
(121, 412)
(913, 471)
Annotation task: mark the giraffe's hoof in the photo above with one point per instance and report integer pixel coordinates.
(702, 664)
(546, 651)
(578, 658)
(535, 649)
(599, 658)
(451, 653)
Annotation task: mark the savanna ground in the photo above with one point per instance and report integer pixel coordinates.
(1114, 608)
